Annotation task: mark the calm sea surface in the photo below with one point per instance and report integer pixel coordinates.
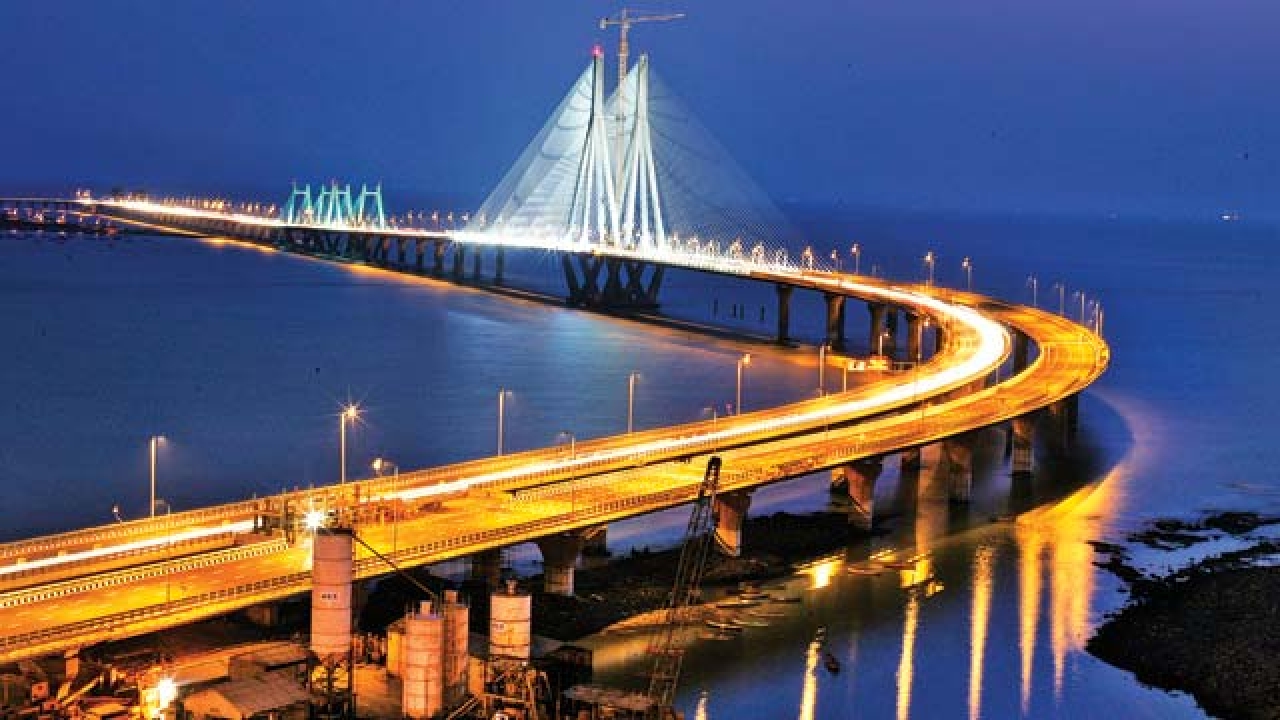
(241, 358)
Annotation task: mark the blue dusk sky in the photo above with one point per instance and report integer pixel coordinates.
(1135, 107)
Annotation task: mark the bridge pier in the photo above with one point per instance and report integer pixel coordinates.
(859, 481)
(876, 327)
(1064, 421)
(784, 313)
(560, 553)
(499, 265)
(476, 265)
(915, 337)
(1022, 430)
(459, 261)
(631, 293)
(419, 253)
(730, 511)
(437, 262)
(957, 453)
(835, 321)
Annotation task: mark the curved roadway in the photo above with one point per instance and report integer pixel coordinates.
(97, 584)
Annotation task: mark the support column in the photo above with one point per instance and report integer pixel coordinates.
(560, 553)
(784, 313)
(1021, 351)
(958, 454)
(486, 566)
(835, 324)
(891, 325)
(1064, 418)
(876, 310)
(915, 338)
(1023, 430)
(860, 479)
(475, 266)
(731, 511)
(910, 459)
(437, 265)
(499, 265)
(939, 338)
(459, 261)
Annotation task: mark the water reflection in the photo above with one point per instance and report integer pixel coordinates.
(906, 663)
(982, 583)
(809, 693)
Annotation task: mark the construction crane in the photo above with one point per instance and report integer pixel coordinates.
(624, 21)
(698, 539)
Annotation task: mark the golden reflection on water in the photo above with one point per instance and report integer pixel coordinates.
(906, 665)
(1064, 531)
(982, 589)
(700, 713)
(809, 694)
(1030, 568)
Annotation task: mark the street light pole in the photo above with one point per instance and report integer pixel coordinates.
(1062, 297)
(857, 257)
(822, 369)
(153, 443)
(967, 264)
(928, 261)
(502, 402)
(1034, 284)
(349, 414)
(631, 401)
(742, 362)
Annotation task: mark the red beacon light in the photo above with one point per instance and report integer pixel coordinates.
(597, 51)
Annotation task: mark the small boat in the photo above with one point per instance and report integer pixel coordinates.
(820, 636)
(831, 663)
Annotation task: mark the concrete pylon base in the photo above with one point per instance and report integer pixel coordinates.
(731, 511)
(560, 555)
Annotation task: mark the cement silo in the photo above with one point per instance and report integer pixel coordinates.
(423, 672)
(331, 576)
(510, 618)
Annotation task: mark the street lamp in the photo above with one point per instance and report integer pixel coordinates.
(857, 257)
(502, 406)
(1080, 293)
(573, 490)
(835, 258)
(1034, 284)
(154, 443)
(822, 369)
(929, 259)
(1062, 297)
(350, 413)
(967, 264)
(631, 400)
(743, 361)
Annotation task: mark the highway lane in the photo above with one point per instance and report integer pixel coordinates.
(1069, 360)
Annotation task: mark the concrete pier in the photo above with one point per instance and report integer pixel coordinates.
(560, 554)
(860, 480)
(731, 511)
(835, 321)
(1022, 430)
(957, 453)
(784, 313)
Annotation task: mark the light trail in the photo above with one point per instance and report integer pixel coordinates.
(127, 547)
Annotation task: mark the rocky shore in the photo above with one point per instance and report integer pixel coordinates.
(1211, 629)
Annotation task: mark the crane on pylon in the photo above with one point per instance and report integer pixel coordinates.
(624, 21)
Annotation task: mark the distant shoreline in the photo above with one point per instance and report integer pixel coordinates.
(1211, 629)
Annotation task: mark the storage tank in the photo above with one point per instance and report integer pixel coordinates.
(457, 623)
(423, 674)
(331, 574)
(509, 624)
